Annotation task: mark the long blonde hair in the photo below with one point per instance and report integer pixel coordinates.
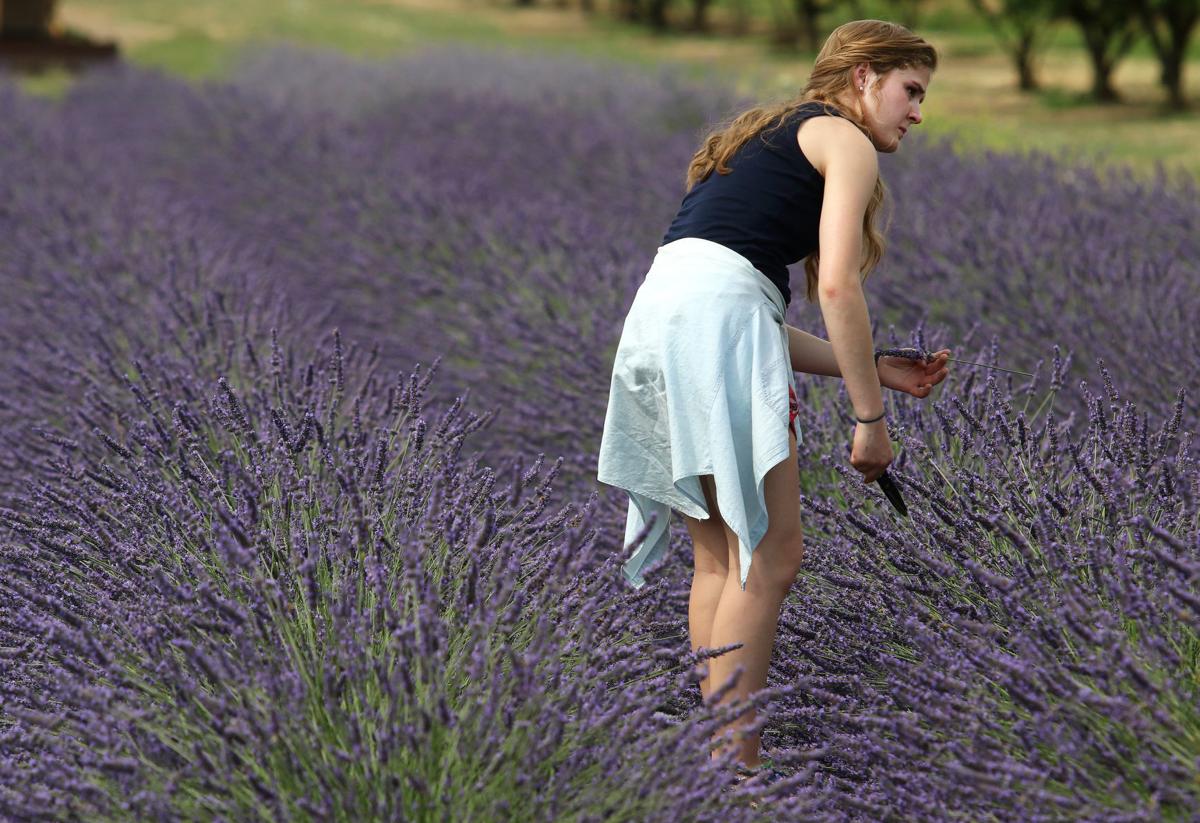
(883, 46)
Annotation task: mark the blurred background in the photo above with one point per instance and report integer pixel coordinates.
(1108, 82)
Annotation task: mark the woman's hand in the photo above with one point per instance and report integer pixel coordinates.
(872, 449)
(914, 377)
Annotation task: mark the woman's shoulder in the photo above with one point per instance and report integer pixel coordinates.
(824, 137)
(796, 116)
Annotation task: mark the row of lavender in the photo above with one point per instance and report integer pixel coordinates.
(275, 573)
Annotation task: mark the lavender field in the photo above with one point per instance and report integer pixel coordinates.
(304, 375)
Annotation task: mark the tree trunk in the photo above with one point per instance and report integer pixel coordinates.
(1171, 46)
(26, 18)
(629, 10)
(656, 14)
(1102, 68)
(700, 15)
(1108, 32)
(1172, 75)
(1023, 57)
(741, 18)
(1172, 80)
(908, 11)
(784, 32)
(808, 15)
(1016, 27)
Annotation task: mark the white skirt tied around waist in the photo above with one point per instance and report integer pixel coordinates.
(700, 385)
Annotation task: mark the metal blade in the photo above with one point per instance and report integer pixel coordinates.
(910, 353)
(986, 366)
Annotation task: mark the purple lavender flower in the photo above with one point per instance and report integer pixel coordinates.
(252, 568)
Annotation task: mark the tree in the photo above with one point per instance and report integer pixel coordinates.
(783, 24)
(629, 10)
(908, 12)
(656, 14)
(1169, 25)
(700, 14)
(739, 19)
(1109, 28)
(26, 18)
(1017, 24)
(808, 15)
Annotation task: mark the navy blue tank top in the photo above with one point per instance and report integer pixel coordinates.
(768, 208)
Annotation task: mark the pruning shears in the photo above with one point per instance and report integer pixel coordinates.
(886, 484)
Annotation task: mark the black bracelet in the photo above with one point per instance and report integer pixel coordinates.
(878, 353)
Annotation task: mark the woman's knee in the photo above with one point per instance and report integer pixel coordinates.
(779, 557)
(782, 546)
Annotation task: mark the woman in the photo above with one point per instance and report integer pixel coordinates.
(701, 415)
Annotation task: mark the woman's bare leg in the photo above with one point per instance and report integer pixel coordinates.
(751, 617)
(711, 551)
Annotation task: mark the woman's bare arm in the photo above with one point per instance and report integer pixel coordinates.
(810, 354)
(850, 167)
(813, 355)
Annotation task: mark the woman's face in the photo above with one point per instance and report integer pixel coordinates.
(891, 102)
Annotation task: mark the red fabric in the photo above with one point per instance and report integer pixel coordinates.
(793, 410)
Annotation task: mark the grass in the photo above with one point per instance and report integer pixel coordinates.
(973, 100)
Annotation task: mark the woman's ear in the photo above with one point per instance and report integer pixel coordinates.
(861, 74)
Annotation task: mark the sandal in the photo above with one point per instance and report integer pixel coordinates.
(763, 776)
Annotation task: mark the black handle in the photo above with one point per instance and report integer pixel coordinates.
(892, 493)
